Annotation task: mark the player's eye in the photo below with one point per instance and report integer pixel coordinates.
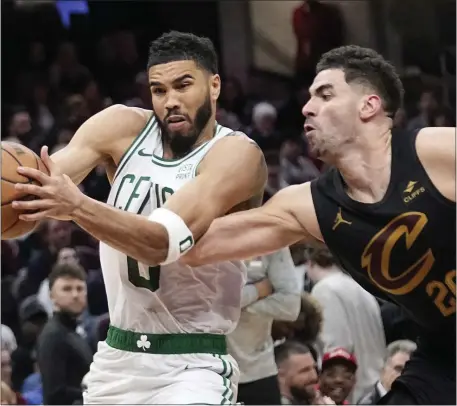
(326, 96)
(184, 85)
(158, 91)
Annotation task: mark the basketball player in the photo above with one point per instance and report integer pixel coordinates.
(386, 210)
(172, 173)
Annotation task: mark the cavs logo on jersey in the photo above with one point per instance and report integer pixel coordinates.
(376, 258)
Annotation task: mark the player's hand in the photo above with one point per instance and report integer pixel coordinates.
(57, 195)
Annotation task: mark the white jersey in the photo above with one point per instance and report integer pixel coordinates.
(174, 298)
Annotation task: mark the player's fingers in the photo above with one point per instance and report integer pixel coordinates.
(41, 215)
(52, 168)
(30, 189)
(33, 174)
(38, 204)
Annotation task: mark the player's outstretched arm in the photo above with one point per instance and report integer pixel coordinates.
(232, 172)
(256, 232)
(93, 142)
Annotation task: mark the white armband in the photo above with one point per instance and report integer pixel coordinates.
(180, 238)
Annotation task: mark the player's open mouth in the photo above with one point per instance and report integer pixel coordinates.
(176, 119)
(308, 128)
(176, 123)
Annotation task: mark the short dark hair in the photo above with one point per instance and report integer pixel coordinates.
(320, 255)
(290, 347)
(73, 271)
(183, 46)
(366, 67)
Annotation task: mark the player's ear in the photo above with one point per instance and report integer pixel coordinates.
(370, 105)
(215, 87)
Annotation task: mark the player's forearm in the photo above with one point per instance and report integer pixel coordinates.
(238, 236)
(134, 235)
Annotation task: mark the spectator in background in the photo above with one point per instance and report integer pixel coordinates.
(233, 99)
(297, 373)
(318, 27)
(227, 118)
(65, 256)
(290, 117)
(337, 378)
(20, 129)
(427, 108)
(40, 108)
(94, 99)
(8, 339)
(67, 74)
(64, 357)
(54, 235)
(398, 354)
(263, 130)
(295, 168)
(400, 119)
(351, 317)
(6, 368)
(272, 293)
(273, 183)
(7, 396)
(32, 318)
(306, 328)
(76, 110)
(444, 117)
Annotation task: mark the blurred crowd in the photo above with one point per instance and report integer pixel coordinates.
(339, 341)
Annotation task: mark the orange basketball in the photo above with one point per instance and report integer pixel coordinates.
(14, 155)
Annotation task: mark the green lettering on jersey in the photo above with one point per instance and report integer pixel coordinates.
(166, 193)
(129, 177)
(134, 194)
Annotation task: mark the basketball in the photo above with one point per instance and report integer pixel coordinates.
(14, 155)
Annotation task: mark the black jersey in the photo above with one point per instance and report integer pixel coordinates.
(403, 245)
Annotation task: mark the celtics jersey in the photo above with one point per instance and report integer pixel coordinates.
(173, 298)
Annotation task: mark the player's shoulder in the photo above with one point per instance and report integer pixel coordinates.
(436, 142)
(236, 137)
(234, 146)
(435, 148)
(119, 116)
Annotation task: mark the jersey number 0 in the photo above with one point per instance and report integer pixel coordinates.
(140, 275)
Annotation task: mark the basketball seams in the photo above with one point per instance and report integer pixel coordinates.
(37, 163)
(12, 156)
(11, 226)
(18, 227)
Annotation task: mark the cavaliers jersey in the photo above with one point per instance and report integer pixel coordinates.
(404, 245)
(173, 298)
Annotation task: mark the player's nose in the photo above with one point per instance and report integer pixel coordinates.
(172, 102)
(309, 109)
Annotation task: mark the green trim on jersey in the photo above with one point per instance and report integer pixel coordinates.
(152, 122)
(175, 162)
(168, 163)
